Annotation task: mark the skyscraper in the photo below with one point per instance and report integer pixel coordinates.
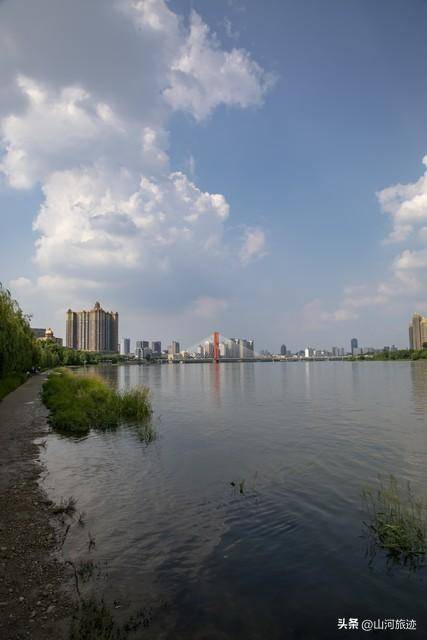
(283, 350)
(125, 347)
(246, 348)
(156, 347)
(174, 348)
(353, 345)
(418, 332)
(94, 330)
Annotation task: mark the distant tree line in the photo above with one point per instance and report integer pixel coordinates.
(398, 354)
(51, 354)
(21, 352)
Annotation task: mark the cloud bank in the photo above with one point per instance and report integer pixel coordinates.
(85, 118)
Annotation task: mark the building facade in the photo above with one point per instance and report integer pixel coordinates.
(156, 347)
(174, 348)
(418, 332)
(93, 330)
(125, 347)
(46, 335)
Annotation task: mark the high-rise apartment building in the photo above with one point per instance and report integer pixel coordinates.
(417, 331)
(174, 348)
(246, 348)
(142, 349)
(354, 345)
(156, 347)
(125, 347)
(93, 330)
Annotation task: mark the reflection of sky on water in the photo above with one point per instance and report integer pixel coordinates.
(305, 438)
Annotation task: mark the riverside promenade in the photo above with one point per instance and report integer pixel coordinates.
(35, 599)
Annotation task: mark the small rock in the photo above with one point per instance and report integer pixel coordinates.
(50, 609)
(21, 598)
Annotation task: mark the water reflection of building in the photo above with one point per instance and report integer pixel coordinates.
(419, 385)
(216, 382)
(238, 378)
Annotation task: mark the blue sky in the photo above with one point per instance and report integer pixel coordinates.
(298, 114)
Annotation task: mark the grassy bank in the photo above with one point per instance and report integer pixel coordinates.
(10, 383)
(78, 403)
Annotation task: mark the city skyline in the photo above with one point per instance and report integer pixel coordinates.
(142, 347)
(85, 329)
(288, 189)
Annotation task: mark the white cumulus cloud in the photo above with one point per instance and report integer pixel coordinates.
(88, 124)
(204, 76)
(254, 245)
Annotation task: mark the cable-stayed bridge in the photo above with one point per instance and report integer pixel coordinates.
(216, 347)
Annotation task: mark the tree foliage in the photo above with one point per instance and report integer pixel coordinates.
(18, 348)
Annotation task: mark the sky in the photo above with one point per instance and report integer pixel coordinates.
(253, 168)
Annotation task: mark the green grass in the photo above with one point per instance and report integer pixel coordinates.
(78, 403)
(10, 383)
(135, 404)
(396, 521)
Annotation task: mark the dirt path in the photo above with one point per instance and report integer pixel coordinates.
(35, 600)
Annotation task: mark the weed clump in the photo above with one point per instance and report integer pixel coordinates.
(396, 521)
(78, 403)
(86, 570)
(135, 404)
(94, 621)
(67, 507)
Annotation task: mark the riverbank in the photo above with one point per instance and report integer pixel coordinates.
(35, 587)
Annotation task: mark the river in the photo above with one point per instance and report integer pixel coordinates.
(243, 518)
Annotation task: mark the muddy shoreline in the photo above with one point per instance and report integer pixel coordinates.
(36, 590)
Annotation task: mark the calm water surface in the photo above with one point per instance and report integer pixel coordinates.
(283, 559)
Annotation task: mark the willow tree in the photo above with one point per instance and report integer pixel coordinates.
(18, 348)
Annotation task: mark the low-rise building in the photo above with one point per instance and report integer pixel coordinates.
(46, 334)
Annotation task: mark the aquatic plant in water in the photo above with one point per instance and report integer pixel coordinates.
(67, 507)
(93, 620)
(397, 521)
(78, 403)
